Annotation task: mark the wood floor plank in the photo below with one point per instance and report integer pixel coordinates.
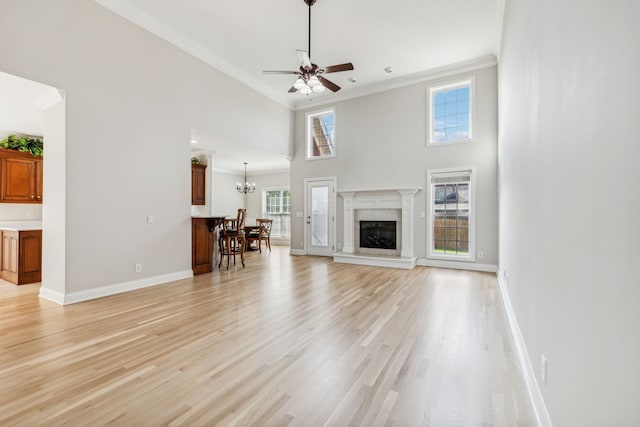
(286, 341)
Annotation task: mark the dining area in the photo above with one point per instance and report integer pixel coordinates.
(223, 241)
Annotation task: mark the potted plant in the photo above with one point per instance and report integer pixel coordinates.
(24, 144)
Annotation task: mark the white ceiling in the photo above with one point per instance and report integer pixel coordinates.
(243, 38)
(418, 39)
(21, 105)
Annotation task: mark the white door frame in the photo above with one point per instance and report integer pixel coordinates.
(332, 232)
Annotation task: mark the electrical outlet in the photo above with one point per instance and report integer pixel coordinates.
(480, 254)
(543, 368)
(150, 219)
(421, 214)
(138, 268)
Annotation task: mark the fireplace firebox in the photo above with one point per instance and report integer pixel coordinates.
(378, 234)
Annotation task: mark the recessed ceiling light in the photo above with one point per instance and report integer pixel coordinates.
(193, 141)
(388, 70)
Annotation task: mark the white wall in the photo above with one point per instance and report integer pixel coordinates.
(54, 224)
(226, 199)
(381, 143)
(131, 102)
(20, 211)
(569, 201)
(264, 181)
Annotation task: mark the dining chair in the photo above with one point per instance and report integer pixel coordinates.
(232, 238)
(263, 232)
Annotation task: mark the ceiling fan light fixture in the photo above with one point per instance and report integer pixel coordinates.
(299, 84)
(313, 81)
(306, 90)
(318, 88)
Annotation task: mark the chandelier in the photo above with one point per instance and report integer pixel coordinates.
(246, 188)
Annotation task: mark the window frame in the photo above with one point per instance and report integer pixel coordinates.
(265, 214)
(432, 89)
(431, 254)
(308, 140)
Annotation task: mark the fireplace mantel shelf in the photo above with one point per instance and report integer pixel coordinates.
(381, 190)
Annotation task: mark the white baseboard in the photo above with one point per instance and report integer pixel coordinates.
(52, 295)
(117, 288)
(458, 265)
(539, 407)
(297, 252)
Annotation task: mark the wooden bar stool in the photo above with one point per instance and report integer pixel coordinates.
(232, 238)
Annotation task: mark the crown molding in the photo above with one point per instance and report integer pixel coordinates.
(398, 82)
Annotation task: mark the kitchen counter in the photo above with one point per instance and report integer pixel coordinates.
(26, 225)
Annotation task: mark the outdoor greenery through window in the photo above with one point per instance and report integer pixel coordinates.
(276, 205)
(321, 134)
(450, 214)
(450, 109)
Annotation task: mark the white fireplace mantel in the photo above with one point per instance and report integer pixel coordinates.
(389, 198)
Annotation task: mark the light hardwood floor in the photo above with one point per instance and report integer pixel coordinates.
(298, 341)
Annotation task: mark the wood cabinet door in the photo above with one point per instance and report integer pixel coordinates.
(198, 178)
(30, 256)
(202, 242)
(18, 180)
(39, 180)
(10, 256)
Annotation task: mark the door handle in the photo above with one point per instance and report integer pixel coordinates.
(308, 220)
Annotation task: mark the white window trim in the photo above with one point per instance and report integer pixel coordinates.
(263, 200)
(307, 134)
(281, 240)
(471, 257)
(466, 81)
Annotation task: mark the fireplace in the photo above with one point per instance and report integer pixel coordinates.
(378, 227)
(378, 234)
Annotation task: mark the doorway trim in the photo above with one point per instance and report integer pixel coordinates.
(332, 234)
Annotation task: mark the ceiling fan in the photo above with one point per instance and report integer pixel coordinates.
(310, 76)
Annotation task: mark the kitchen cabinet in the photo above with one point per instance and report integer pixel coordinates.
(203, 243)
(20, 177)
(21, 256)
(198, 179)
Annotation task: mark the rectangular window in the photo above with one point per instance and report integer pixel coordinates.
(450, 112)
(320, 128)
(451, 214)
(276, 205)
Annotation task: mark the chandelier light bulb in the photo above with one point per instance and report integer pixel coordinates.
(313, 81)
(318, 88)
(299, 84)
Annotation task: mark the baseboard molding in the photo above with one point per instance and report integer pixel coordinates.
(297, 252)
(117, 288)
(51, 295)
(490, 268)
(539, 407)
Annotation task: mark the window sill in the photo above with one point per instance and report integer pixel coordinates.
(447, 143)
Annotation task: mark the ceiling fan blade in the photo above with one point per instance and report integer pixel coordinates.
(280, 72)
(329, 84)
(293, 90)
(337, 68)
(303, 57)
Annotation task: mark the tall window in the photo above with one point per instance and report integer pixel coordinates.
(451, 214)
(451, 112)
(320, 128)
(276, 205)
